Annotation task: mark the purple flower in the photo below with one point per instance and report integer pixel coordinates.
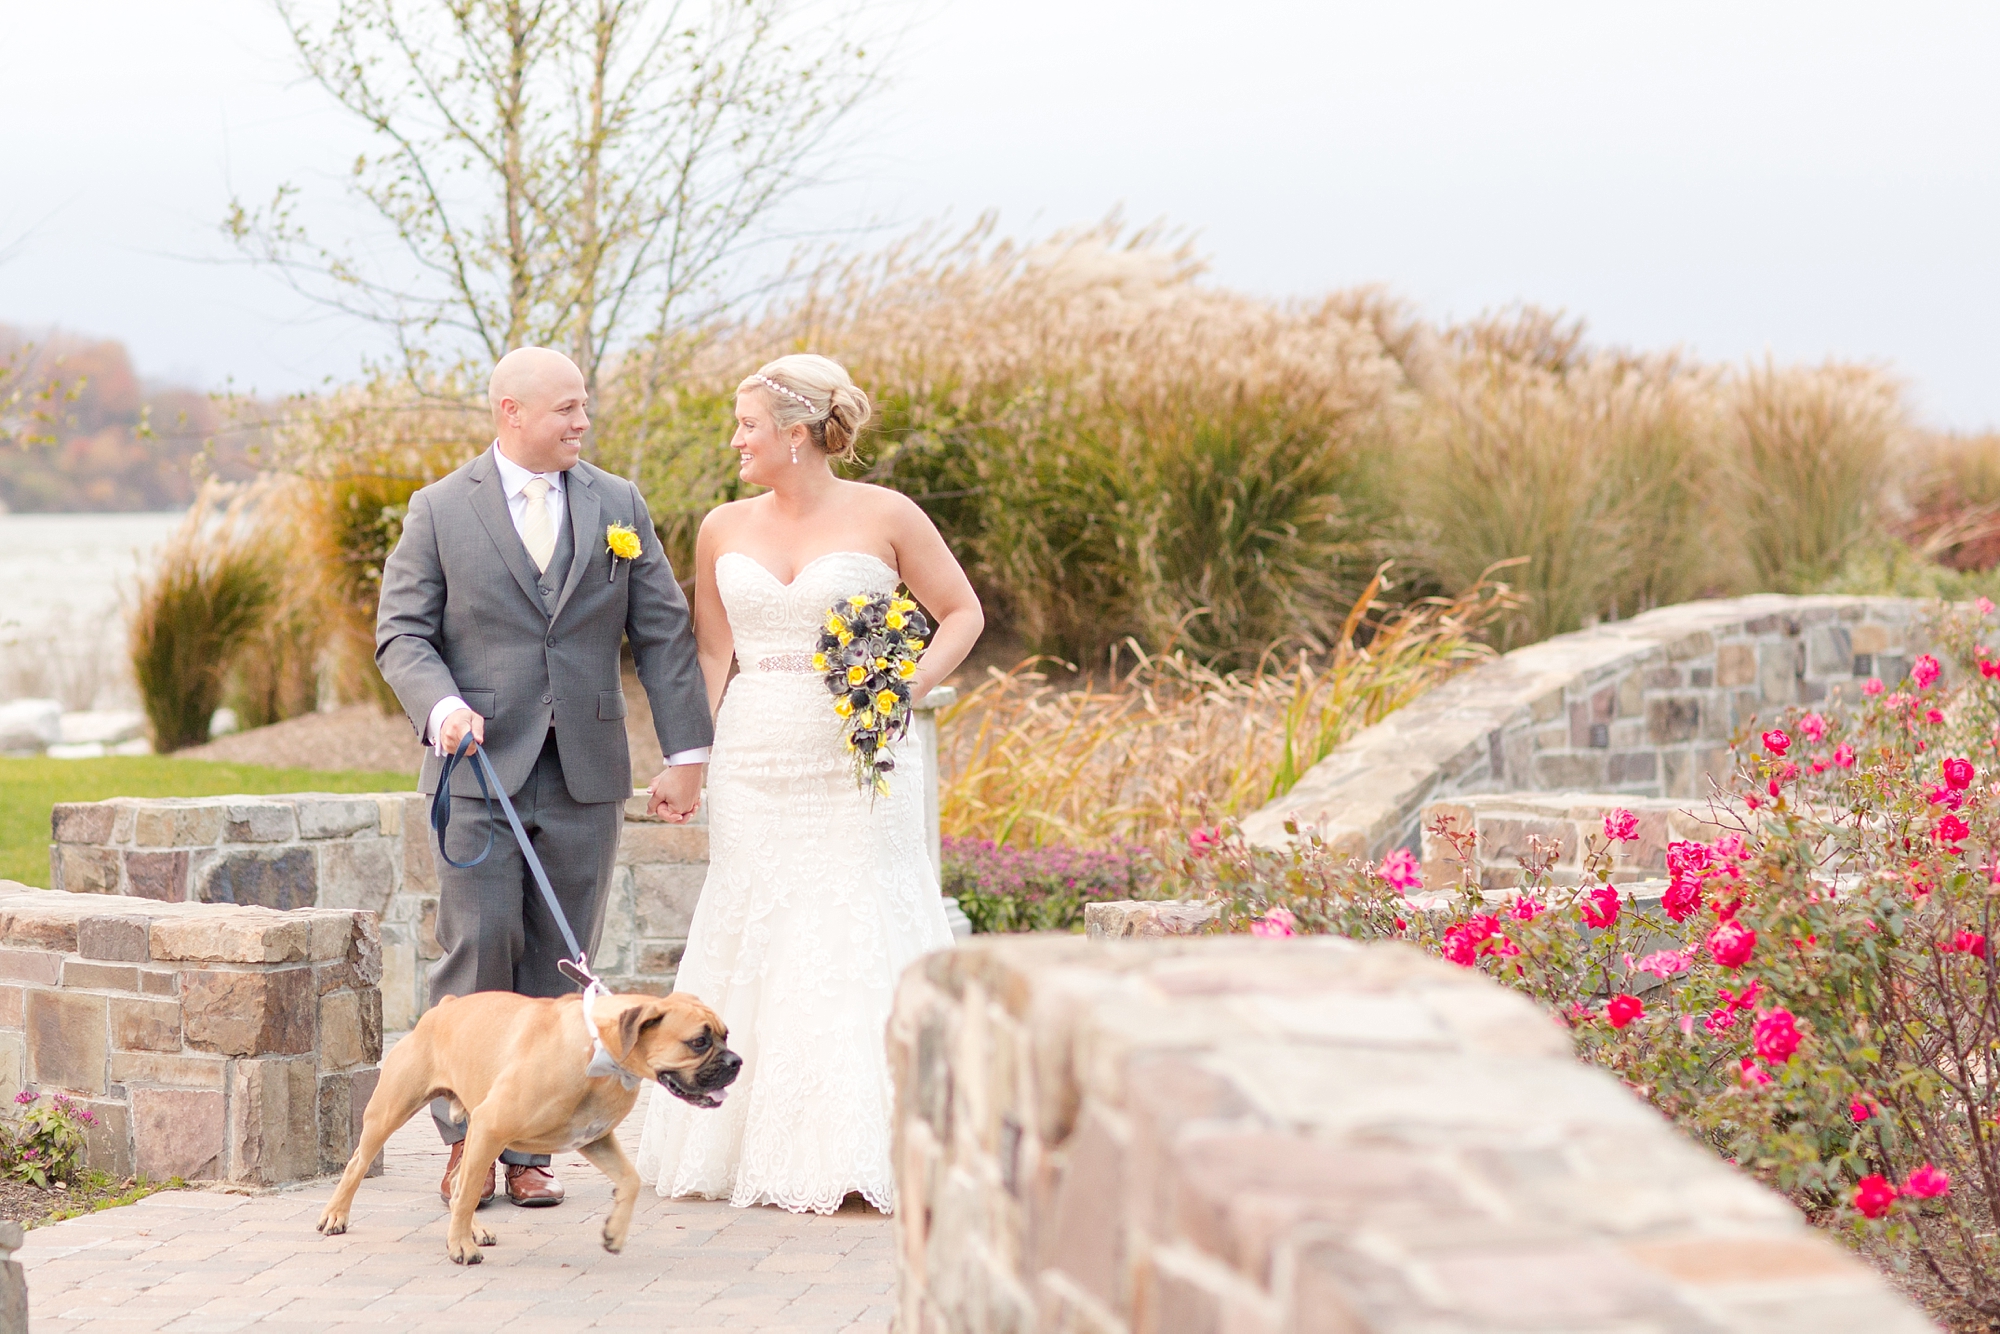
(23, 1098)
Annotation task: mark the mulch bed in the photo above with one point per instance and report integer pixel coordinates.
(32, 1206)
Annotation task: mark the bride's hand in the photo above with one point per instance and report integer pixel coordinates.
(676, 794)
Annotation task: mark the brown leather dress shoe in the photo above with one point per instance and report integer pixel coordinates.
(533, 1187)
(451, 1171)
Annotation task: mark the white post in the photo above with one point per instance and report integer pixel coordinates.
(926, 729)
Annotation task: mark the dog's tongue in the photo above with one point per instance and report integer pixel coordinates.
(718, 1095)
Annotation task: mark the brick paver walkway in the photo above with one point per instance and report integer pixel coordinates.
(209, 1261)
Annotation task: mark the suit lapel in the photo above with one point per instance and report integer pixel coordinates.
(489, 502)
(583, 512)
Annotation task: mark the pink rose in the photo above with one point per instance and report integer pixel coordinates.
(1966, 942)
(1776, 741)
(1752, 1074)
(1526, 908)
(1984, 606)
(1776, 1037)
(1622, 1010)
(1600, 907)
(1872, 686)
(1662, 964)
(1731, 943)
(1401, 869)
(1843, 756)
(1457, 947)
(1275, 924)
(1927, 1183)
(1859, 1111)
(1201, 842)
(1959, 773)
(1925, 671)
(1814, 727)
(1621, 826)
(1873, 1195)
(1951, 829)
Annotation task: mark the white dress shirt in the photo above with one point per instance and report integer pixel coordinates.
(513, 483)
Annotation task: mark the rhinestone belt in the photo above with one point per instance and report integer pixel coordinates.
(786, 662)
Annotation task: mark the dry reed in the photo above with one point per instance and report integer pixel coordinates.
(1025, 762)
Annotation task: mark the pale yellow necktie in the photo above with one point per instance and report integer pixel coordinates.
(537, 533)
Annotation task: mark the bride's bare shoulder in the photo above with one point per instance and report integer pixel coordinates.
(879, 501)
(729, 514)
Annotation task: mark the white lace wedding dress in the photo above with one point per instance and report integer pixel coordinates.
(816, 900)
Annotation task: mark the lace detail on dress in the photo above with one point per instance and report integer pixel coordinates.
(797, 661)
(816, 900)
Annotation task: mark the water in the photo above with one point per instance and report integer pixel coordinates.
(65, 581)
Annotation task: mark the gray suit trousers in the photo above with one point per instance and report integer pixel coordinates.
(495, 930)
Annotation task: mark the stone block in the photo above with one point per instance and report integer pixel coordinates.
(419, 856)
(282, 880)
(145, 1025)
(157, 875)
(41, 921)
(643, 844)
(248, 1013)
(1697, 645)
(427, 940)
(336, 1120)
(33, 966)
(400, 1005)
(664, 897)
(13, 1065)
(1125, 918)
(361, 1087)
(1635, 766)
(1870, 637)
(1778, 672)
(389, 815)
(1829, 651)
(78, 869)
(108, 1144)
(273, 1121)
(322, 816)
(159, 982)
(179, 1133)
(660, 959)
(169, 1069)
(357, 874)
(174, 823)
(1736, 665)
(82, 821)
(66, 1034)
(1502, 840)
(118, 938)
(1567, 770)
(13, 1003)
(1892, 668)
(1672, 718)
(341, 1043)
(83, 975)
(248, 935)
(260, 822)
(1701, 678)
(1632, 694)
(330, 936)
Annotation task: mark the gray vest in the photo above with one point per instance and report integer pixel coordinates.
(550, 585)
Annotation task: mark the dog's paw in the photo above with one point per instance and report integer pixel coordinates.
(332, 1224)
(613, 1242)
(463, 1252)
(484, 1236)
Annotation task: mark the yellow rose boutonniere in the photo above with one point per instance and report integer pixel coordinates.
(623, 544)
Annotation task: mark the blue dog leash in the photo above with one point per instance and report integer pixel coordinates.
(576, 967)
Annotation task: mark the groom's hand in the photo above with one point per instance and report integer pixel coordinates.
(676, 794)
(456, 725)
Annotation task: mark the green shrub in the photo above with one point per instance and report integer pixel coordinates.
(46, 1145)
(1036, 889)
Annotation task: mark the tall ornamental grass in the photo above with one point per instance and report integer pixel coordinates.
(1029, 763)
(209, 594)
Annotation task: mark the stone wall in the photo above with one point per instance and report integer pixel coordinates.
(211, 1042)
(370, 852)
(1638, 708)
(1266, 1137)
(1571, 822)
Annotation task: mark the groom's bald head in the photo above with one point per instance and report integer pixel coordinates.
(537, 395)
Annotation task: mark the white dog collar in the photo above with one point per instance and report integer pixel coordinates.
(602, 1062)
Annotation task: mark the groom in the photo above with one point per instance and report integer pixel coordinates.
(501, 615)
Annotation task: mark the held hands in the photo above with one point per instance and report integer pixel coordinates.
(676, 794)
(456, 725)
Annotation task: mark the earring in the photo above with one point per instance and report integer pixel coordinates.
(795, 451)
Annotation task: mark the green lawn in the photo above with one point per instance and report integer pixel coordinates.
(28, 788)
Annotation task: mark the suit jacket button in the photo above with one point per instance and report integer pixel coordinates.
(548, 699)
(543, 591)
(552, 641)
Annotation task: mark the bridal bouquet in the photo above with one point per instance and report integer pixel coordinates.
(868, 651)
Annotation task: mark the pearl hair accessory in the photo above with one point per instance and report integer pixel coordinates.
(794, 394)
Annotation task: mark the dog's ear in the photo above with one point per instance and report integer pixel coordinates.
(633, 1022)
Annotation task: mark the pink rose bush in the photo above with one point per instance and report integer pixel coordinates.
(1812, 995)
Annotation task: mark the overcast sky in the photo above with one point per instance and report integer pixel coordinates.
(1810, 179)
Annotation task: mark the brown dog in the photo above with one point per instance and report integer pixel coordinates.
(516, 1066)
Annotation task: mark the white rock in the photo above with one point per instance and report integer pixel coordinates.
(223, 723)
(77, 750)
(138, 745)
(30, 724)
(105, 726)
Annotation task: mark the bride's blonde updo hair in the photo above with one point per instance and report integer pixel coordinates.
(814, 391)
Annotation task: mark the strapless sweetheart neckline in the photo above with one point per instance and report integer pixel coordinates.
(800, 572)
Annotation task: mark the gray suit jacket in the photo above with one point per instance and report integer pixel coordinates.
(461, 615)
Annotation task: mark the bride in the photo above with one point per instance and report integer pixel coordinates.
(817, 896)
